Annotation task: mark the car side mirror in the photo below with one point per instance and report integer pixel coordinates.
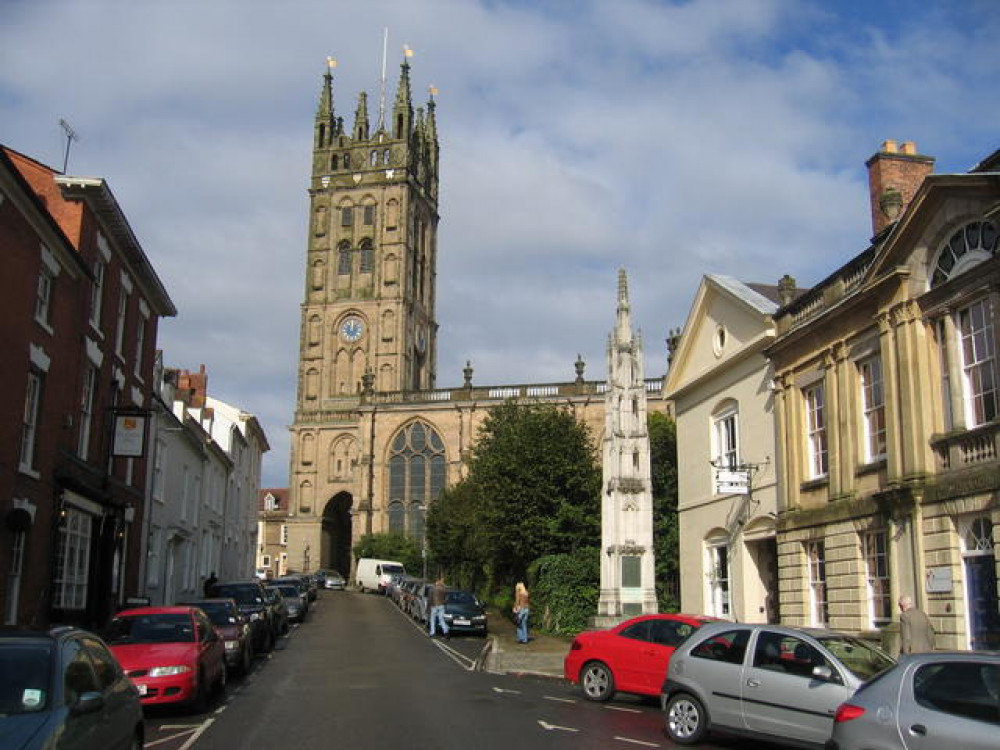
(87, 703)
(823, 672)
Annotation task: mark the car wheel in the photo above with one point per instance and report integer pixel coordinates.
(137, 741)
(597, 682)
(246, 662)
(220, 685)
(687, 722)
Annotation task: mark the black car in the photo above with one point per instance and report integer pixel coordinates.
(463, 612)
(234, 629)
(253, 603)
(63, 688)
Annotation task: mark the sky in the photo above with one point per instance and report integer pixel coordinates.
(670, 138)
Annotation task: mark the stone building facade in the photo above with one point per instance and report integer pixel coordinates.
(888, 414)
(374, 441)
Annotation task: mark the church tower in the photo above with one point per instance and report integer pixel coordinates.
(627, 563)
(367, 315)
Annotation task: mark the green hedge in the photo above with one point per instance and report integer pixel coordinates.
(564, 591)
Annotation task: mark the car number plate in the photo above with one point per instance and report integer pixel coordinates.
(141, 688)
(461, 621)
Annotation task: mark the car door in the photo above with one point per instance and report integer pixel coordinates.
(212, 648)
(950, 704)
(122, 706)
(781, 697)
(625, 652)
(82, 731)
(663, 637)
(714, 664)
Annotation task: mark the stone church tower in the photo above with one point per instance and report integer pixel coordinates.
(368, 309)
(627, 564)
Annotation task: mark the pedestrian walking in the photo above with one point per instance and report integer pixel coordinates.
(522, 610)
(439, 595)
(208, 588)
(916, 633)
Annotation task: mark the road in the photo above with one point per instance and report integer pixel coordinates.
(359, 674)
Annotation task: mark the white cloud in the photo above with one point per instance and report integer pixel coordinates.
(672, 138)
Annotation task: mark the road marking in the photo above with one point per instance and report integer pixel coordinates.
(170, 737)
(549, 727)
(178, 726)
(459, 658)
(197, 733)
(625, 710)
(636, 742)
(505, 690)
(558, 700)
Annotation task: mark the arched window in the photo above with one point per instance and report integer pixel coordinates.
(417, 473)
(367, 256)
(344, 259)
(972, 244)
(397, 518)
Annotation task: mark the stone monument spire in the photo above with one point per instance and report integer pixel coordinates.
(627, 563)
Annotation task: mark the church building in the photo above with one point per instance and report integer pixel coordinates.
(374, 440)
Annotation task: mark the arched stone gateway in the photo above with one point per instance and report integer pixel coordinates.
(336, 536)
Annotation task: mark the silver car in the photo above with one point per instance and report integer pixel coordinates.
(770, 682)
(936, 700)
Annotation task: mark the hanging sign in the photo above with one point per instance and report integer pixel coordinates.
(130, 434)
(732, 482)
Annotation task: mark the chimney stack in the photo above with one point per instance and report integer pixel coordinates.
(894, 175)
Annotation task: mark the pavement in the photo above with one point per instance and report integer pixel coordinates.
(541, 656)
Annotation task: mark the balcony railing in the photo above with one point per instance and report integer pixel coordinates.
(503, 393)
(968, 448)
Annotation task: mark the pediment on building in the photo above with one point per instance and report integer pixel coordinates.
(943, 208)
(728, 321)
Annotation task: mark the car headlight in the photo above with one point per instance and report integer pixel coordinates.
(167, 671)
(232, 645)
(256, 616)
(479, 618)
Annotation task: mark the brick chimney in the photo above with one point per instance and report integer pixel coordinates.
(192, 388)
(894, 174)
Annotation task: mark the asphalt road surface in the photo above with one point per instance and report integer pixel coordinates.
(359, 674)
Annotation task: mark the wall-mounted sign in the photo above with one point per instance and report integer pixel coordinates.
(732, 482)
(130, 434)
(938, 580)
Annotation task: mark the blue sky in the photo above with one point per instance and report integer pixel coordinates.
(675, 139)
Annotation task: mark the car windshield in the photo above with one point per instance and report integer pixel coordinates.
(863, 660)
(289, 591)
(220, 613)
(461, 597)
(386, 569)
(24, 677)
(242, 594)
(153, 628)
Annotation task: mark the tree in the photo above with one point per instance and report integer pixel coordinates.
(533, 489)
(452, 535)
(390, 546)
(663, 467)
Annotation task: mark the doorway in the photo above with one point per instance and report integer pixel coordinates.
(335, 548)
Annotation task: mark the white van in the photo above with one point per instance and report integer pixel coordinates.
(374, 575)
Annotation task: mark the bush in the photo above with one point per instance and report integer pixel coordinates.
(566, 589)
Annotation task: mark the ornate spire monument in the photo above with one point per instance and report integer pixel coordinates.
(627, 563)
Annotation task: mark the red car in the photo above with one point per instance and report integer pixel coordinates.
(172, 654)
(631, 657)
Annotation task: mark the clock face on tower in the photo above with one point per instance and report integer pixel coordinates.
(352, 329)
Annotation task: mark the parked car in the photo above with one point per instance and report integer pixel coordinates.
(934, 700)
(296, 604)
(299, 582)
(63, 689)
(306, 581)
(420, 607)
(279, 611)
(770, 682)
(172, 654)
(252, 601)
(234, 628)
(334, 580)
(631, 657)
(464, 613)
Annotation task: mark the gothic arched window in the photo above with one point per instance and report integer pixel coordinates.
(344, 259)
(367, 256)
(417, 474)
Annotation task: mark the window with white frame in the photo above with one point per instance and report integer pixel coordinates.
(87, 410)
(979, 362)
(818, 608)
(159, 461)
(718, 579)
(120, 331)
(265, 561)
(725, 436)
(29, 426)
(72, 560)
(140, 344)
(14, 577)
(875, 551)
(816, 431)
(284, 535)
(97, 293)
(43, 302)
(873, 405)
(153, 566)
